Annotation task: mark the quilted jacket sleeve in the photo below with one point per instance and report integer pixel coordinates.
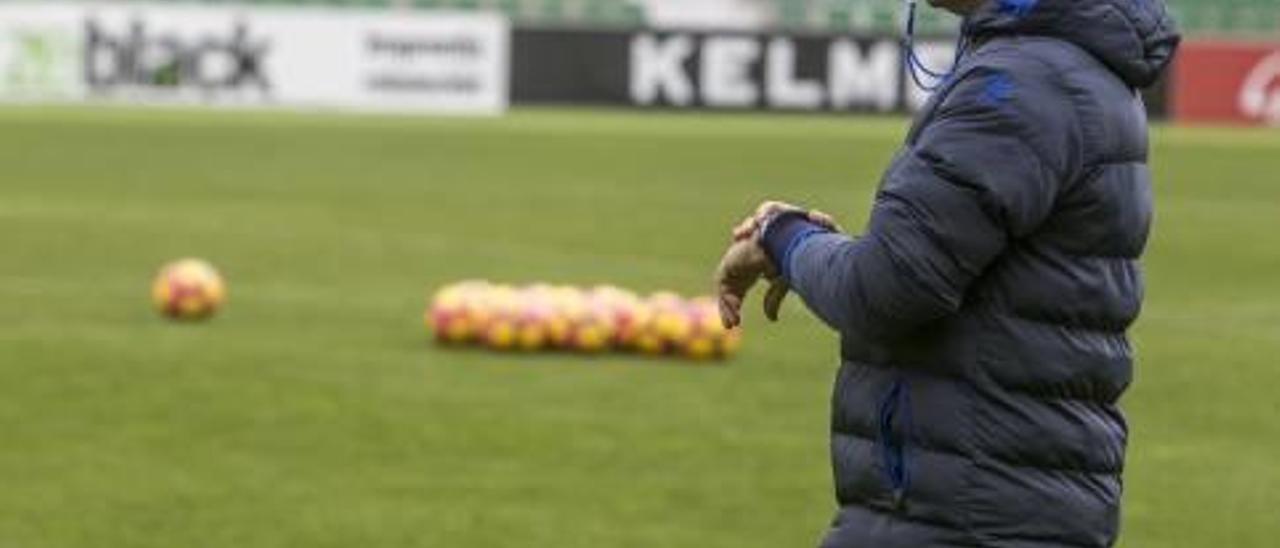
(984, 172)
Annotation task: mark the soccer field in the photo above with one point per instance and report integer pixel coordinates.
(314, 411)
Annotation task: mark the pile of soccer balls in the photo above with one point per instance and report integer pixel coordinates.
(601, 319)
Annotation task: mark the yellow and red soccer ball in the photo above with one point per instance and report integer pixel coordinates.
(457, 314)
(188, 289)
(707, 338)
(592, 331)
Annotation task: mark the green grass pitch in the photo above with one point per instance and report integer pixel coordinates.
(315, 413)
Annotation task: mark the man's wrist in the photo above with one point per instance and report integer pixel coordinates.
(780, 234)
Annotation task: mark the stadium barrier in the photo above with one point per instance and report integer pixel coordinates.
(1227, 82)
(442, 62)
(473, 62)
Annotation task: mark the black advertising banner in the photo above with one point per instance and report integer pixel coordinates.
(722, 70)
(553, 66)
(716, 70)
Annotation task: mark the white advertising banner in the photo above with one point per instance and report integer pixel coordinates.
(242, 55)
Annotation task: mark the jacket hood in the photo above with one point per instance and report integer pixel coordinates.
(1135, 38)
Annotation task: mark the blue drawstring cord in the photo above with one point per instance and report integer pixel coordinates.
(905, 448)
(915, 66)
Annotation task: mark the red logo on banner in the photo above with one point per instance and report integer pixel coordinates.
(1227, 82)
(1260, 94)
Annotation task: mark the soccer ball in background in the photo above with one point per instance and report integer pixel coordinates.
(707, 337)
(189, 289)
(457, 312)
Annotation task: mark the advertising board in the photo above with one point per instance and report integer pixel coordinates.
(376, 60)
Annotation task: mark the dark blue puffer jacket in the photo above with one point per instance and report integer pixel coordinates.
(983, 311)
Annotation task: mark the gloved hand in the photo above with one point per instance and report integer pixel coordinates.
(746, 262)
(742, 266)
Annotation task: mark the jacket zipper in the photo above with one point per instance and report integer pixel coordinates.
(895, 410)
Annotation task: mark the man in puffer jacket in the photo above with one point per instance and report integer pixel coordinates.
(983, 311)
